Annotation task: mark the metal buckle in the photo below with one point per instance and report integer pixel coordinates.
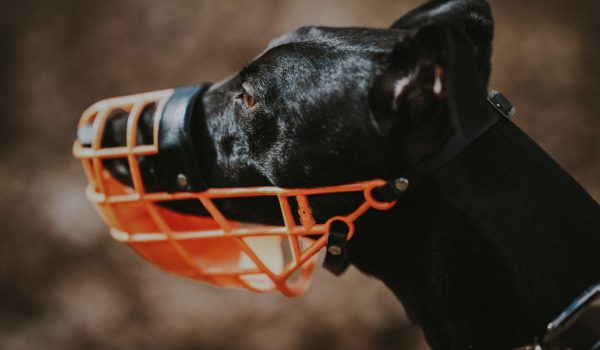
(502, 104)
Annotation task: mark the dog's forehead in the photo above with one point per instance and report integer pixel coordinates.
(361, 42)
(299, 35)
(349, 38)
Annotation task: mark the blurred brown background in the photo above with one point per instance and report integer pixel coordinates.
(65, 284)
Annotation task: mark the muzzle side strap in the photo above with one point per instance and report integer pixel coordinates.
(394, 189)
(336, 260)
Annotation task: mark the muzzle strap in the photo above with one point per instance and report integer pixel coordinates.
(336, 260)
(416, 175)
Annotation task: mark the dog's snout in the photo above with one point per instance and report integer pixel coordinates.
(163, 130)
(115, 130)
(115, 135)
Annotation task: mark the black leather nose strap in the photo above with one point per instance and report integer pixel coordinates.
(179, 166)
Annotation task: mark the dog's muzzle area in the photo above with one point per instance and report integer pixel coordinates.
(146, 158)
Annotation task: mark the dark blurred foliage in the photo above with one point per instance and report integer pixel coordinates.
(65, 284)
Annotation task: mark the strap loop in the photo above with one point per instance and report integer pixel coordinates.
(335, 254)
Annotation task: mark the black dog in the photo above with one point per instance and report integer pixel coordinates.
(485, 251)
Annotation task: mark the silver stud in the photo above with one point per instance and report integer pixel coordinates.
(182, 180)
(334, 250)
(401, 184)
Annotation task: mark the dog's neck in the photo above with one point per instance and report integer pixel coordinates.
(490, 249)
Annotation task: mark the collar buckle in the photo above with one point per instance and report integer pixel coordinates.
(502, 104)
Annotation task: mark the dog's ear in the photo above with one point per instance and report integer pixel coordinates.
(430, 92)
(474, 17)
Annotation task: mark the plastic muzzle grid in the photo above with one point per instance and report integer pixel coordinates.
(211, 249)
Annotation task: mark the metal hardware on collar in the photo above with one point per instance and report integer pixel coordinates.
(577, 327)
(502, 104)
(335, 255)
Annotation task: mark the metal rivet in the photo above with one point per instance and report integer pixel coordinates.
(182, 180)
(334, 250)
(401, 184)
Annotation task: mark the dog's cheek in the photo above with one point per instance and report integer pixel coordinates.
(262, 131)
(229, 158)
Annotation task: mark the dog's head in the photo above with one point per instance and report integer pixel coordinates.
(324, 106)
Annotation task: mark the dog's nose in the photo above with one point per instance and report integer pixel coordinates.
(115, 129)
(114, 134)
(175, 166)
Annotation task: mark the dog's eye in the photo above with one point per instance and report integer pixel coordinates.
(247, 96)
(249, 101)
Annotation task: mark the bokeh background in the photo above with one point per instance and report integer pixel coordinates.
(65, 284)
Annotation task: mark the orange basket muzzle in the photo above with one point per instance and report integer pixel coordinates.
(211, 247)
